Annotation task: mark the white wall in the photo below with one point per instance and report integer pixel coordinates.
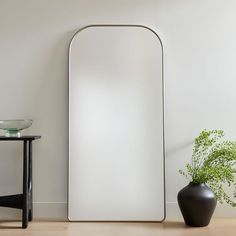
(199, 39)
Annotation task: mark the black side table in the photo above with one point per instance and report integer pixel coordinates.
(22, 201)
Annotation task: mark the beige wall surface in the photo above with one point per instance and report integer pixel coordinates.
(199, 48)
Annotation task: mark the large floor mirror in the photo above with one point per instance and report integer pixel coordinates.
(116, 131)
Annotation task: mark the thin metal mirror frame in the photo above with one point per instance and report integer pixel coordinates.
(163, 112)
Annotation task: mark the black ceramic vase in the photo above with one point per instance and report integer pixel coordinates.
(197, 203)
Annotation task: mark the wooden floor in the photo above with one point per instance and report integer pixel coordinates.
(218, 227)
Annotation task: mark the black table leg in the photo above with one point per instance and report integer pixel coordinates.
(30, 182)
(25, 212)
(22, 201)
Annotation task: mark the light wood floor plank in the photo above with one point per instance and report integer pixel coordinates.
(218, 227)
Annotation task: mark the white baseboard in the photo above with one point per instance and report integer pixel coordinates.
(58, 211)
(41, 211)
(172, 211)
(10, 214)
(50, 211)
(222, 211)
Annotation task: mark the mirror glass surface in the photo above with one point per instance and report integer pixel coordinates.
(116, 125)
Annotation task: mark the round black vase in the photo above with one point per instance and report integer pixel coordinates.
(197, 203)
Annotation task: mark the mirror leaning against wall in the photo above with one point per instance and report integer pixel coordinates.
(116, 131)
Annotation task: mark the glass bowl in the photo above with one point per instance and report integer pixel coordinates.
(12, 128)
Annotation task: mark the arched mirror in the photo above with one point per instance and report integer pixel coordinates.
(116, 143)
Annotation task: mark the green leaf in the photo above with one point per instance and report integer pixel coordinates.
(213, 162)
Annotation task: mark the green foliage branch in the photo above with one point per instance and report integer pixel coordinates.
(214, 163)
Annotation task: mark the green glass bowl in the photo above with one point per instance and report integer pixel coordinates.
(12, 128)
